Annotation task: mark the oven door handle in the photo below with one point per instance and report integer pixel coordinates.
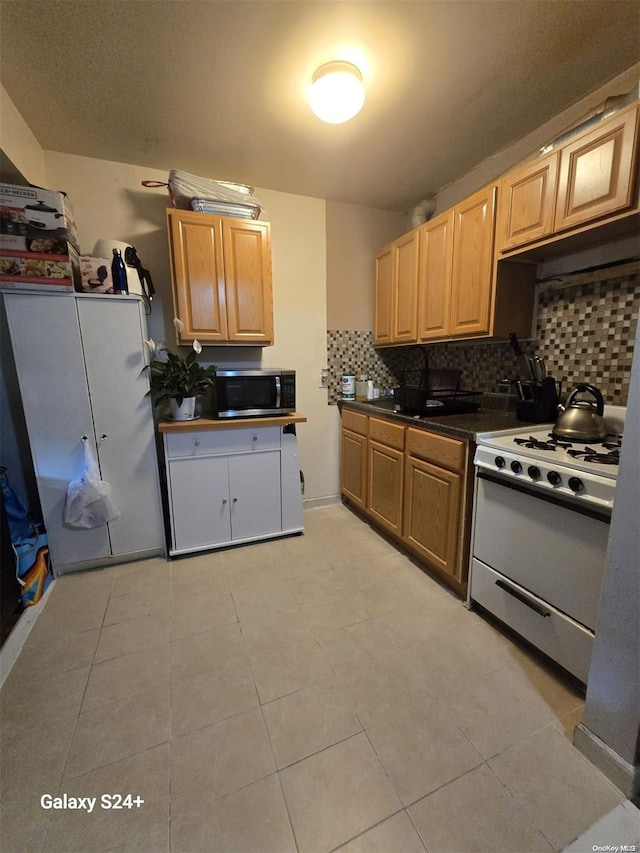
(533, 605)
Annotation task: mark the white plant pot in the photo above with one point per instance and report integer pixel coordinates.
(185, 412)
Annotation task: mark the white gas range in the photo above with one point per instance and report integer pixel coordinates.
(541, 525)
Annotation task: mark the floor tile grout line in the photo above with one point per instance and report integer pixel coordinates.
(277, 770)
(84, 693)
(423, 841)
(520, 803)
(365, 831)
(549, 723)
(319, 751)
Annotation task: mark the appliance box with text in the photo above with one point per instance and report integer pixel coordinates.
(96, 275)
(40, 271)
(36, 220)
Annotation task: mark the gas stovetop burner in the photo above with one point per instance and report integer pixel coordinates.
(591, 455)
(542, 444)
(551, 443)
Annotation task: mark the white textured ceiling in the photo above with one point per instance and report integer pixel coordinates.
(218, 88)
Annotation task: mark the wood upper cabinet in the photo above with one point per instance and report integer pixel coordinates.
(597, 171)
(396, 299)
(434, 277)
(246, 247)
(527, 203)
(473, 232)
(589, 179)
(458, 293)
(405, 288)
(221, 274)
(383, 311)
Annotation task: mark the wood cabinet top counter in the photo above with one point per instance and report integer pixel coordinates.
(457, 426)
(200, 424)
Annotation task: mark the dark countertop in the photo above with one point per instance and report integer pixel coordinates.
(459, 426)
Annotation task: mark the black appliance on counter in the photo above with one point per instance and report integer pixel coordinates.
(436, 392)
(421, 401)
(254, 393)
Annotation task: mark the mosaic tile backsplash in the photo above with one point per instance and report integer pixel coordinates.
(585, 333)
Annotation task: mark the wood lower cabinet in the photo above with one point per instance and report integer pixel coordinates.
(417, 488)
(385, 473)
(385, 485)
(353, 469)
(432, 514)
(436, 501)
(221, 275)
(353, 457)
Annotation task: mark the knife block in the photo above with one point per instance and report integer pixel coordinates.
(543, 405)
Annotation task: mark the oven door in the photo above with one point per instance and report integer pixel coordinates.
(548, 547)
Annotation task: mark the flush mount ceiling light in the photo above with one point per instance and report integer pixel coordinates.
(337, 92)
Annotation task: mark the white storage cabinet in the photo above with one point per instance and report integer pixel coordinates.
(80, 361)
(230, 486)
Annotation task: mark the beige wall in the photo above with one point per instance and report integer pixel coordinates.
(354, 234)
(110, 202)
(18, 142)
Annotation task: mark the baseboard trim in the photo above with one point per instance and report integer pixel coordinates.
(623, 775)
(18, 636)
(314, 503)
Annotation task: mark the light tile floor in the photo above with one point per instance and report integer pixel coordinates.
(313, 693)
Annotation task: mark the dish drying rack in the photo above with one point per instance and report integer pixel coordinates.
(435, 401)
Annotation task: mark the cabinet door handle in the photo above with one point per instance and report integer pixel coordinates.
(235, 500)
(197, 442)
(255, 438)
(103, 437)
(224, 501)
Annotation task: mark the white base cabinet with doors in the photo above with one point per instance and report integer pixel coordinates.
(80, 368)
(228, 484)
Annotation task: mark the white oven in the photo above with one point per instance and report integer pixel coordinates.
(541, 525)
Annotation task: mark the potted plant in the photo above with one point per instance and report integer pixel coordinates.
(178, 380)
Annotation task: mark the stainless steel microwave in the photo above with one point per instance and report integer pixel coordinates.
(253, 393)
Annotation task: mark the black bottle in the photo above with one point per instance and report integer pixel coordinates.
(119, 273)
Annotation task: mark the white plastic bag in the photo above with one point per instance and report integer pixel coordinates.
(89, 501)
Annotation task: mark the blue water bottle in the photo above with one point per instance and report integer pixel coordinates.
(119, 273)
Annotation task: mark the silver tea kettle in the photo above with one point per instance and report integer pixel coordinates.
(581, 419)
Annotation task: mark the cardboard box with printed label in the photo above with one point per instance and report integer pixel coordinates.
(38, 240)
(40, 272)
(96, 275)
(37, 220)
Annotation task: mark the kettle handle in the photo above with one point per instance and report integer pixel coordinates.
(591, 389)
